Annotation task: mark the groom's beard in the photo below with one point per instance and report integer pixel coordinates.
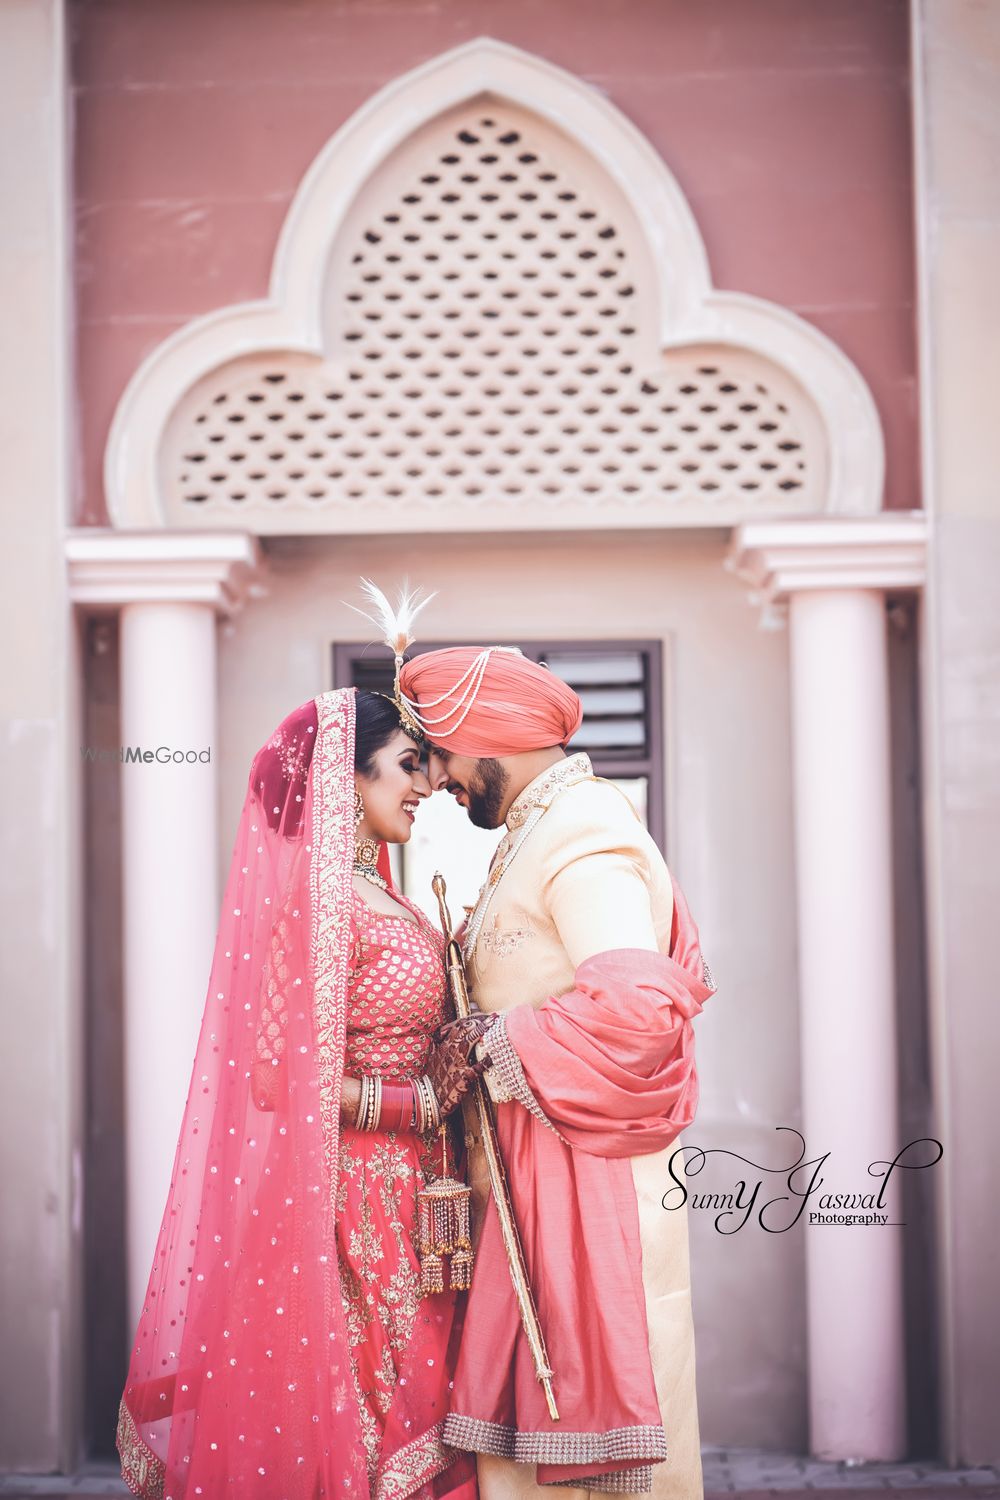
(487, 798)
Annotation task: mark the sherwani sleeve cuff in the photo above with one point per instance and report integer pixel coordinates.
(504, 1076)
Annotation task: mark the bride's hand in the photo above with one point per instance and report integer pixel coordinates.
(466, 1030)
(350, 1100)
(450, 1069)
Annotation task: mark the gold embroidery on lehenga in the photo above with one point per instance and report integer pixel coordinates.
(366, 1245)
(382, 1178)
(401, 1295)
(386, 1377)
(371, 1432)
(373, 1299)
(357, 1318)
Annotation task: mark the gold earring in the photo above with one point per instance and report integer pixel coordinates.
(366, 851)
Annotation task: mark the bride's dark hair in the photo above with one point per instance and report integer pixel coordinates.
(377, 720)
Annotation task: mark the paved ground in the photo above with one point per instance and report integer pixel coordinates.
(747, 1472)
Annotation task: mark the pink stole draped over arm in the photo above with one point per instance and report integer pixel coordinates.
(612, 1061)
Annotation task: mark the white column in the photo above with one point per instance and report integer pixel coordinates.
(170, 891)
(170, 588)
(840, 733)
(955, 91)
(42, 1128)
(828, 577)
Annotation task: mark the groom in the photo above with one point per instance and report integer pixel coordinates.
(586, 973)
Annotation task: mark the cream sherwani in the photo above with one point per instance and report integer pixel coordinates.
(580, 875)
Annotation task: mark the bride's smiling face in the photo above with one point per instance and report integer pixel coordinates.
(393, 789)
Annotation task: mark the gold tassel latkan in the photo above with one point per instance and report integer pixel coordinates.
(443, 1206)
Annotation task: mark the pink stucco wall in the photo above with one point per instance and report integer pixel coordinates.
(786, 123)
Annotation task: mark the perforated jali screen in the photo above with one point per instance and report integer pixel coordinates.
(491, 318)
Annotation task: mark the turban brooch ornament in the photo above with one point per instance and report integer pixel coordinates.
(396, 628)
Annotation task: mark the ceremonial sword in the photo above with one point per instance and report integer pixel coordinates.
(459, 988)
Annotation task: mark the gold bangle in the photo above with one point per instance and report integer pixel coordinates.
(377, 1103)
(432, 1100)
(430, 1115)
(370, 1110)
(424, 1112)
(370, 1101)
(419, 1107)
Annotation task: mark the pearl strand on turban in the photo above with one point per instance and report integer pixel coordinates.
(495, 701)
(476, 672)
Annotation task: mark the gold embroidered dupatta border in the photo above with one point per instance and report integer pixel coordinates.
(142, 1470)
(331, 885)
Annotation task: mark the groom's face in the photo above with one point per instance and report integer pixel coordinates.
(478, 785)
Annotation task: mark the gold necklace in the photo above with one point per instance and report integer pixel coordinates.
(366, 853)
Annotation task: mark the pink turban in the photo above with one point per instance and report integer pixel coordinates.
(472, 703)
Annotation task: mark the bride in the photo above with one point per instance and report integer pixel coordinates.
(292, 1343)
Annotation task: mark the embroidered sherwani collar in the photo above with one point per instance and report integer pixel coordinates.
(540, 791)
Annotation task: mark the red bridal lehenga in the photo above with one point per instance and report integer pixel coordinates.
(284, 1351)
